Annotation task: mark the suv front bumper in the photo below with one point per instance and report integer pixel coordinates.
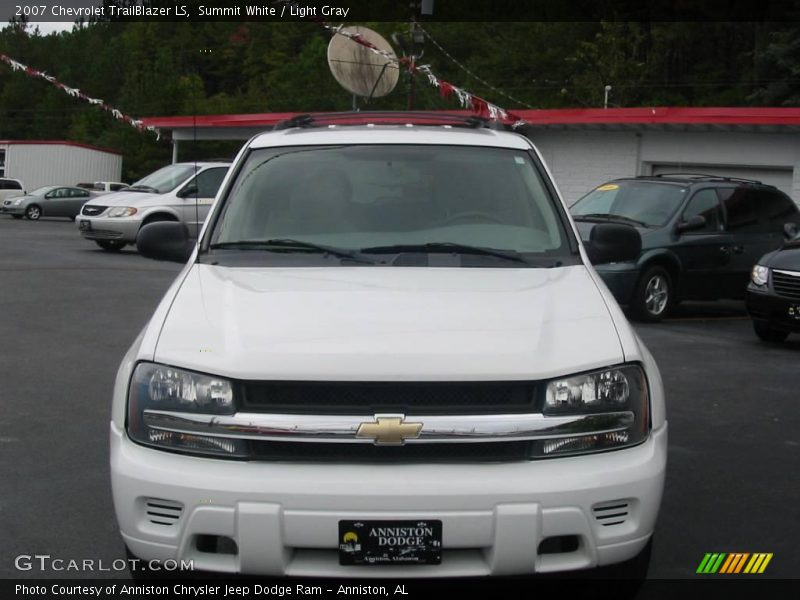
(284, 516)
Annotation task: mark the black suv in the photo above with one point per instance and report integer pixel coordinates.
(773, 296)
(701, 236)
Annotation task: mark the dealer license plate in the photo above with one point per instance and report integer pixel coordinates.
(85, 225)
(390, 542)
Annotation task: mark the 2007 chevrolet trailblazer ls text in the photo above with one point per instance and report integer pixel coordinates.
(389, 355)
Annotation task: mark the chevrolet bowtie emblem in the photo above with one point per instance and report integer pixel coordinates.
(389, 430)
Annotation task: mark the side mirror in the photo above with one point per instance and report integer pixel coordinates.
(189, 190)
(613, 242)
(165, 240)
(791, 230)
(693, 224)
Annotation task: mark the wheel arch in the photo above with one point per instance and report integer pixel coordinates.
(669, 262)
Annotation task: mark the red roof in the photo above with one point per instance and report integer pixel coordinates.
(561, 116)
(57, 143)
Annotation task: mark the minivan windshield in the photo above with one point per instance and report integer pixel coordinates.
(645, 203)
(376, 200)
(164, 180)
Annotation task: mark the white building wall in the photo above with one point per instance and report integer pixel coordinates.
(583, 159)
(60, 164)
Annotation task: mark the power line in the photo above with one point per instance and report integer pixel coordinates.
(469, 72)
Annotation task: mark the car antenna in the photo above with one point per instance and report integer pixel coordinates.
(196, 187)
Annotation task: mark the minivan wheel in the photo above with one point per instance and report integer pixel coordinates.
(33, 212)
(110, 245)
(767, 333)
(652, 300)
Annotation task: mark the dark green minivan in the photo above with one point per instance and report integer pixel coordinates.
(701, 236)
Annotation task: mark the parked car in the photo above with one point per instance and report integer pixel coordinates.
(9, 188)
(701, 236)
(179, 192)
(104, 187)
(388, 326)
(773, 296)
(47, 201)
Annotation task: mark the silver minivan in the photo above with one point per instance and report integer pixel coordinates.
(178, 192)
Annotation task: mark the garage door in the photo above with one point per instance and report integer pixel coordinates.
(780, 178)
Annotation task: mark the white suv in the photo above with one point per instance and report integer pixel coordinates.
(388, 355)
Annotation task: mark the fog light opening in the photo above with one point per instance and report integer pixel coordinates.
(216, 544)
(559, 544)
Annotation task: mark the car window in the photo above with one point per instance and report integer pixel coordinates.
(9, 184)
(208, 182)
(706, 204)
(364, 196)
(115, 187)
(741, 215)
(649, 202)
(166, 178)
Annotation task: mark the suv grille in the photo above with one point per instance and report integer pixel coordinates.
(786, 285)
(91, 211)
(343, 398)
(408, 453)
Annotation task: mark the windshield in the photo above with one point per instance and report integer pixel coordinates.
(166, 179)
(385, 199)
(646, 202)
(41, 191)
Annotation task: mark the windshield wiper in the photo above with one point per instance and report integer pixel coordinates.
(140, 188)
(445, 247)
(609, 217)
(290, 245)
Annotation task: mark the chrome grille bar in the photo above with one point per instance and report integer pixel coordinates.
(344, 428)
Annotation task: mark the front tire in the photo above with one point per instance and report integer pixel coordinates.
(767, 333)
(33, 212)
(110, 245)
(653, 298)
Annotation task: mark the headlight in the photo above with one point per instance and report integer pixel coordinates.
(122, 211)
(760, 275)
(17, 202)
(156, 387)
(621, 390)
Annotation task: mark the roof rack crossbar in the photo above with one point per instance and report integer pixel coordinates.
(387, 118)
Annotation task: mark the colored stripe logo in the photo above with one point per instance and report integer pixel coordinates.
(734, 563)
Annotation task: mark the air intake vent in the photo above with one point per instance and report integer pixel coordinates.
(611, 513)
(163, 512)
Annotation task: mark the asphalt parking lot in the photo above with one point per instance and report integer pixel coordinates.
(68, 312)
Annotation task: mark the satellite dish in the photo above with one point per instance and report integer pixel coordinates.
(359, 70)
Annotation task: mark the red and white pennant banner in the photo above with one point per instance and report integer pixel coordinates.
(76, 93)
(467, 100)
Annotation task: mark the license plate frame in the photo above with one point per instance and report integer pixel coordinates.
(390, 542)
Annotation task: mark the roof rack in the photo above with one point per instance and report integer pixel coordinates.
(705, 176)
(386, 118)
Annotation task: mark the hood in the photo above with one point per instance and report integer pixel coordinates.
(788, 258)
(126, 199)
(388, 324)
